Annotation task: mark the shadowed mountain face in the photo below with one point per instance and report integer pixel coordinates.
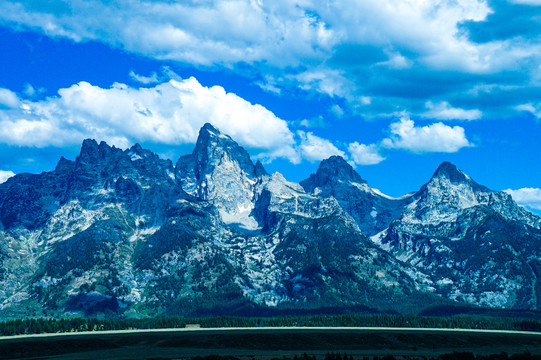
(123, 231)
(372, 210)
(472, 244)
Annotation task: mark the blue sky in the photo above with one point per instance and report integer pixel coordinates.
(394, 86)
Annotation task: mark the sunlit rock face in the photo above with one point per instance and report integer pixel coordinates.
(476, 245)
(123, 231)
(221, 172)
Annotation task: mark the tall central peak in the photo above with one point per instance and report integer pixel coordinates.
(210, 134)
(211, 129)
(220, 171)
(213, 147)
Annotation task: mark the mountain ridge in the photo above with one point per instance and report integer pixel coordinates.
(372, 210)
(126, 232)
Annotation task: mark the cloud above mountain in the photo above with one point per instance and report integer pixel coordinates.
(365, 154)
(331, 77)
(8, 99)
(436, 137)
(172, 112)
(379, 56)
(404, 135)
(314, 148)
(168, 113)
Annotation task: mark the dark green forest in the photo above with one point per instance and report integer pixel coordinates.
(51, 325)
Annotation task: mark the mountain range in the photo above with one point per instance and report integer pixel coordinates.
(126, 233)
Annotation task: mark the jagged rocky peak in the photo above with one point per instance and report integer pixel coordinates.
(259, 169)
(89, 166)
(150, 163)
(137, 149)
(213, 147)
(448, 175)
(93, 154)
(64, 165)
(372, 210)
(456, 229)
(450, 191)
(220, 171)
(330, 171)
(451, 172)
(91, 148)
(99, 166)
(214, 150)
(137, 152)
(450, 184)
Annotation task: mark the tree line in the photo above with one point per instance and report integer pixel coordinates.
(78, 324)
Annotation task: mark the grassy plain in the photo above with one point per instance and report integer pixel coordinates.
(265, 343)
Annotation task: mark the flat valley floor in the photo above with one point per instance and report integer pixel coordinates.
(265, 343)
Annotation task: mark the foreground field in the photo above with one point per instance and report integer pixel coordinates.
(265, 343)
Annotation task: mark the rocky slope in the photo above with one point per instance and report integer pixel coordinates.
(372, 210)
(476, 245)
(123, 231)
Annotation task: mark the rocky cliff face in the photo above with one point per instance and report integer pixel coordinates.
(221, 172)
(372, 210)
(475, 244)
(123, 231)
(72, 228)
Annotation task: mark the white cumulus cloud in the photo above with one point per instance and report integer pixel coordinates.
(529, 197)
(404, 135)
(314, 148)
(280, 32)
(4, 175)
(365, 154)
(169, 113)
(220, 32)
(436, 137)
(8, 99)
(444, 111)
(315, 45)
